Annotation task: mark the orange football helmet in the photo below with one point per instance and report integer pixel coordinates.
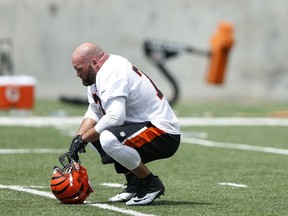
(70, 184)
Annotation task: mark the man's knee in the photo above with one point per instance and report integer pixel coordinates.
(108, 141)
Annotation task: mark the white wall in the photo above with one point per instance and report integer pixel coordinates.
(45, 33)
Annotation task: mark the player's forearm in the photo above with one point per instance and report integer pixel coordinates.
(90, 135)
(86, 125)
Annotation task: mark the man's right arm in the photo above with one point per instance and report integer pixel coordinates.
(85, 125)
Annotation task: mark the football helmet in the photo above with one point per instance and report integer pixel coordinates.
(70, 184)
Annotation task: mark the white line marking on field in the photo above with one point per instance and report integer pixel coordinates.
(209, 143)
(232, 184)
(51, 196)
(117, 209)
(233, 121)
(113, 185)
(29, 151)
(40, 121)
(28, 190)
(31, 186)
(195, 134)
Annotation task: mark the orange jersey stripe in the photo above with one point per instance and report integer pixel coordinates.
(144, 137)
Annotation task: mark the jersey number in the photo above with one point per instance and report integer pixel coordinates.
(158, 92)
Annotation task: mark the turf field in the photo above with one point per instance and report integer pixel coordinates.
(219, 169)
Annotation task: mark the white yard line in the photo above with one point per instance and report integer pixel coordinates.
(233, 184)
(39, 121)
(209, 143)
(51, 196)
(29, 151)
(184, 139)
(28, 190)
(117, 209)
(113, 185)
(233, 121)
(76, 120)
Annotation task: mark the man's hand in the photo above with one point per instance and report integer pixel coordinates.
(77, 145)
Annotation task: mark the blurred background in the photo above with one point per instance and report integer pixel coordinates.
(41, 36)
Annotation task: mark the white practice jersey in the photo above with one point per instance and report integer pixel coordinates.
(144, 101)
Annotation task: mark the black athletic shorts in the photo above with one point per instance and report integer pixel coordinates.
(150, 142)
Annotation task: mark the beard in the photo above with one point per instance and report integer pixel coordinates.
(90, 78)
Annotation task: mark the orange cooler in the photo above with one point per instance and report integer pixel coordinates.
(17, 92)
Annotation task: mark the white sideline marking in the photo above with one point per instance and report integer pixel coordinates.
(40, 121)
(209, 143)
(233, 184)
(51, 196)
(29, 151)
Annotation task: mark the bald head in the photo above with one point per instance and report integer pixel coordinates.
(86, 52)
(87, 59)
